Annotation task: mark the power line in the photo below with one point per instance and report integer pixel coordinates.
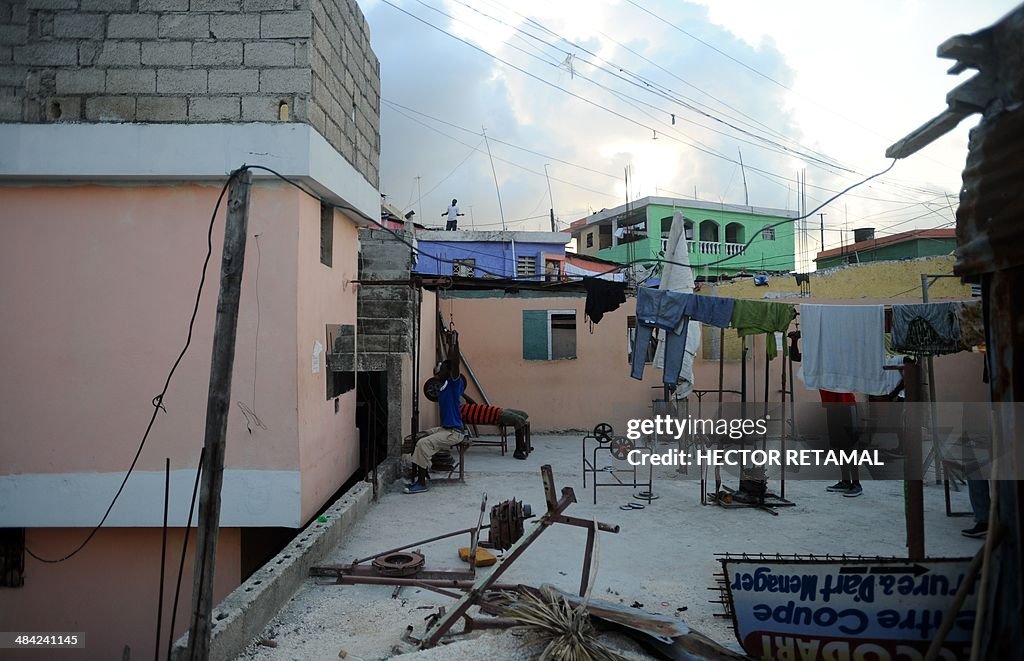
(757, 72)
(512, 163)
(473, 150)
(704, 149)
(651, 85)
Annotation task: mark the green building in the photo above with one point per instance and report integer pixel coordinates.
(905, 245)
(716, 235)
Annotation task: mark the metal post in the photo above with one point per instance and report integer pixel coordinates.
(913, 483)
(417, 334)
(551, 199)
(501, 212)
(936, 446)
(782, 435)
(217, 407)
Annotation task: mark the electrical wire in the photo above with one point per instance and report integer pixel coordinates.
(251, 419)
(766, 174)
(668, 94)
(757, 72)
(415, 251)
(158, 400)
(454, 170)
(772, 226)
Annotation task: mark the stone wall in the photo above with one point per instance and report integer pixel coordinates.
(195, 61)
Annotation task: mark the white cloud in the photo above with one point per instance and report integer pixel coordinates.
(862, 76)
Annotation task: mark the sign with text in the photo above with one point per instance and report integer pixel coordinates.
(843, 610)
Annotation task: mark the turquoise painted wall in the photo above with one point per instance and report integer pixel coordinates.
(763, 254)
(905, 250)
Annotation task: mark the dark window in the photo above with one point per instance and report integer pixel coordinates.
(590, 239)
(12, 557)
(549, 334)
(326, 234)
(464, 267)
(340, 346)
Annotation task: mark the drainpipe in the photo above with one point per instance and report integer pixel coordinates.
(515, 262)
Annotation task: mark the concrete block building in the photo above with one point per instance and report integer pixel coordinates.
(716, 233)
(119, 123)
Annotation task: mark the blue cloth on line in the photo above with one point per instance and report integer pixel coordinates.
(712, 310)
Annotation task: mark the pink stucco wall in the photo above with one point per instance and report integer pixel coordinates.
(109, 590)
(596, 386)
(328, 441)
(101, 281)
(99, 284)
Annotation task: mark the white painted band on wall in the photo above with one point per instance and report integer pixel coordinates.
(250, 498)
(182, 152)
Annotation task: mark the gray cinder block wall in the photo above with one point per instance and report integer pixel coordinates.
(386, 321)
(195, 61)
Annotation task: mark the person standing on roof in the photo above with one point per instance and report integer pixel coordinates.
(453, 216)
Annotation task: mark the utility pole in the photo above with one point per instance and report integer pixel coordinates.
(822, 216)
(472, 220)
(552, 199)
(495, 175)
(746, 197)
(217, 407)
(419, 198)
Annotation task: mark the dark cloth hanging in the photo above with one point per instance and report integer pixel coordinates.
(603, 296)
(926, 329)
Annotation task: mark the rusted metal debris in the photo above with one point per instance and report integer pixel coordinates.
(405, 563)
(506, 532)
(556, 506)
(507, 520)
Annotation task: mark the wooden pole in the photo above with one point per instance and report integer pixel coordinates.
(217, 407)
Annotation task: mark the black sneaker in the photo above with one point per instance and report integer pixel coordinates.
(840, 487)
(519, 454)
(979, 530)
(854, 491)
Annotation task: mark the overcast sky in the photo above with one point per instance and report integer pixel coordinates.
(674, 91)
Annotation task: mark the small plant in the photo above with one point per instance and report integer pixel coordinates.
(568, 632)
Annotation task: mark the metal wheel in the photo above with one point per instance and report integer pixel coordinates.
(621, 447)
(432, 388)
(603, 432)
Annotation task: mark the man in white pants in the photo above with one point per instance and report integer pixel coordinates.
(452, 430)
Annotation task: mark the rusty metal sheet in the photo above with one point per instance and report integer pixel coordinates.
(990, 218)
(364, 571)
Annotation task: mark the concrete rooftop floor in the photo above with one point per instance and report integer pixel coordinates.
(663, 556)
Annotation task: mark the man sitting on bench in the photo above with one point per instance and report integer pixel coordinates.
(452, 430)
(483, 414)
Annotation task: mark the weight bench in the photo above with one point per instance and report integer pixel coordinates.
(502, 442)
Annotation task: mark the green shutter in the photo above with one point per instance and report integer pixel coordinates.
(535, 334)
